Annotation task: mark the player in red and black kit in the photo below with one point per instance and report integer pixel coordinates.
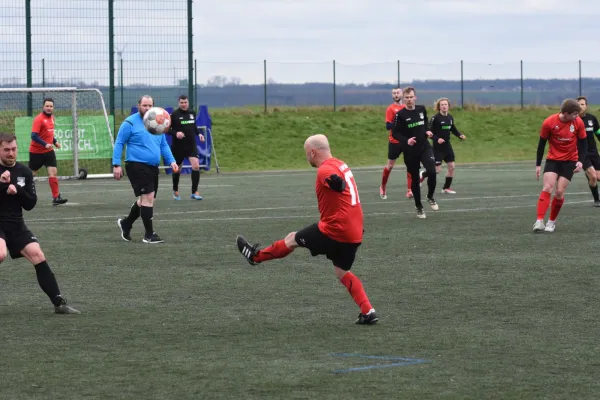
(41, 149)
(17, 193)
(591, 164)
(339, 232)
(568, 147)
(394, 146)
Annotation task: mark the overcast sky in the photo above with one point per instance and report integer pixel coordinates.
(300, 39)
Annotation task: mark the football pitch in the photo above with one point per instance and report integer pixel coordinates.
(472, 303)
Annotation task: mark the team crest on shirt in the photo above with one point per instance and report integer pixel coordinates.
(590, 123)
(21, 181)
(421, 115)
(572, 128)
(191, 116)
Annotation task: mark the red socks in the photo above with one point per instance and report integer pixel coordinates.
(409, 180)
(276, 250)
(53, 182)
(355, 288)
(556, 206)
(385, 176)
(543, 204)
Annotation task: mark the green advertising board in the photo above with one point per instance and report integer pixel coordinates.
(94, 137)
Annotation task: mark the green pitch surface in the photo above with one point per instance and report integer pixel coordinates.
(472, 304)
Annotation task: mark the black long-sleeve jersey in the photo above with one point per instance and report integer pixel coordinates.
(441, 126)
(184, 121)
(411, 123)
(12, 205)
(592, 128)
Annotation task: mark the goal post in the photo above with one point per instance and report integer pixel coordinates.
(82, 127)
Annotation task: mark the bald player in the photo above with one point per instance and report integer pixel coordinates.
(339, 232)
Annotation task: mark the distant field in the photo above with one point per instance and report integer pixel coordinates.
(249, 139)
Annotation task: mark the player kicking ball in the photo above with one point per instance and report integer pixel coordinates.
(567, 140)
(339, 232)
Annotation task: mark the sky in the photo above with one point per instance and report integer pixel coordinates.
(301, 38)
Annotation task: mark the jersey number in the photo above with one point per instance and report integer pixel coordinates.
(352, 187)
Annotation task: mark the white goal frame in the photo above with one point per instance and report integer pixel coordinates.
(77, 172)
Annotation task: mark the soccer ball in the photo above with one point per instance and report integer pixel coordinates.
(157, 121)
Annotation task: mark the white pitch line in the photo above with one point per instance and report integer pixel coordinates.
(314, 206)
(272, 217)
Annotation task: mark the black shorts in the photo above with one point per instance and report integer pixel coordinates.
(143, 178)
(394, 150)
(17, 236)
(592, 160)
(443, 153)
(414, 158)
(561, 168)
(341, 254)
(37, 161)
(180, 152)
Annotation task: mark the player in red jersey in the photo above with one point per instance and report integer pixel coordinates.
(566, 135)
(394, 146)
(41, 149)
(339, 232)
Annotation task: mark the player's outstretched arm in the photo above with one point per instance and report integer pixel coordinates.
(27, 194)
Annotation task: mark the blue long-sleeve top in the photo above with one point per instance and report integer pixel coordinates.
(142, 146)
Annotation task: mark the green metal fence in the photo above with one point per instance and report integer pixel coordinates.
(118, 46)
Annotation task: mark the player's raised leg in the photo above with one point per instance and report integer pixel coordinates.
(195, 164)
(46, 279)
(278, 249)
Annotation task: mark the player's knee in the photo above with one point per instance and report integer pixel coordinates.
(290, 240)
(3, 254)
(33, 252)
(390, 164)
(147, 200)
(451, 167)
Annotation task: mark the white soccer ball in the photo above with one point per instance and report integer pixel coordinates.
(157, 121)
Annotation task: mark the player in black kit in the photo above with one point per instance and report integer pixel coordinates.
(183, 145)
(411, 129)
(591, 164)
(17, 192)
(441, 125)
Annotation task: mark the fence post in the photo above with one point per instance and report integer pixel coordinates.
(121, 84)
(265, 84)
(190, 54)
(28, 50)
(334, 96)
(398, 73)
(111, 58)
(43, 72)
(580, 88)
(462, 85)
(196, 82)
(522, 88)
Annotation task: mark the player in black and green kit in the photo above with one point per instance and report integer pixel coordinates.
(591, 164)
(442, 124)
(183, 145)
(411, 128)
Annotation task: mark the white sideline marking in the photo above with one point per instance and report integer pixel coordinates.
(179, 221)
(231, 210)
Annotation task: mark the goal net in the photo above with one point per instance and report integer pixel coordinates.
(82, 127)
